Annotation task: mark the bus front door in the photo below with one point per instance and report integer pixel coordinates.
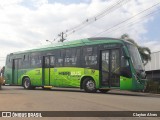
(48, 70)
(15, 70)
(110, 68)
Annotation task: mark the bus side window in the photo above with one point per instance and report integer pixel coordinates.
(20, 65)
(52, 61)
(9, 61)
(67, 57)
(60, 62)
(46, 62)
(78, 56)
(25, 61)
(33, 61)
(58, 58)
(90, 56)
(36, 60)
(70, 58)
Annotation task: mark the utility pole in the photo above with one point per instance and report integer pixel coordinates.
(62, 39)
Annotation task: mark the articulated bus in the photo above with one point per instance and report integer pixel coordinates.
(91, 64)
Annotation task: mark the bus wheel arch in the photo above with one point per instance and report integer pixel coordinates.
(88, 84)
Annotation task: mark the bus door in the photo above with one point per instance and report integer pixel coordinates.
(110, 68)
(48, 70)
(15, 70)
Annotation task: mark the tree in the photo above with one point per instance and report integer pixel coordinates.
(145, 52)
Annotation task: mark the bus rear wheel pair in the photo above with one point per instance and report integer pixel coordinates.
(89, 85)
(27, 84)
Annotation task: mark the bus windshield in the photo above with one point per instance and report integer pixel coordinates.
(135, 57)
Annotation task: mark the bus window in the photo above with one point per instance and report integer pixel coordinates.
(36, 60)
(47, 62)
(58, 58)
(90, 57)
(52, 61)
(60, 62)
(71, 57)
(25, 61)
(8, 61)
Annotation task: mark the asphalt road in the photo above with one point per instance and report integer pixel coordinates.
(15, 98)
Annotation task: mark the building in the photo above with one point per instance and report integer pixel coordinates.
(153, 67)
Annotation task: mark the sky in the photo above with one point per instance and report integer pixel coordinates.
(26, 24)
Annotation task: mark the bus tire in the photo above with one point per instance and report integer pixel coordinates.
(103, 91)
(89, 85)
(27, 83)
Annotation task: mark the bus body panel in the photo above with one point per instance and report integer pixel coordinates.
(126, 83)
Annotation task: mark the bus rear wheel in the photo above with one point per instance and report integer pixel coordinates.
(27, 84)
(89, 85)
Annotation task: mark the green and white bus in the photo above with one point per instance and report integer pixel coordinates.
(91, 64)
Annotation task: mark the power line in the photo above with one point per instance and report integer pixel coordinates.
(99, 16)
(92, 19)
(135, 22)
(126, 20)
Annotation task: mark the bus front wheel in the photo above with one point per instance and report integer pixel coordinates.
(27, 84)
(89, 85)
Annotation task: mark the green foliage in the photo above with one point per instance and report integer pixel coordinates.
(145, 52)
(153, 86)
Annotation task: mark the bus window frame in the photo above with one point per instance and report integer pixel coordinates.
(94, 53)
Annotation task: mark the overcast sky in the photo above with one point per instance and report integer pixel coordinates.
(25, 24)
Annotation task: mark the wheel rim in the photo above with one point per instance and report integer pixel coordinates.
(26, 83)
(90, 85)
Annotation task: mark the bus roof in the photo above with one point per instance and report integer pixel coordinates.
(75, 43)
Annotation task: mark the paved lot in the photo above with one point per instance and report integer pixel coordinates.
(13, 98)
